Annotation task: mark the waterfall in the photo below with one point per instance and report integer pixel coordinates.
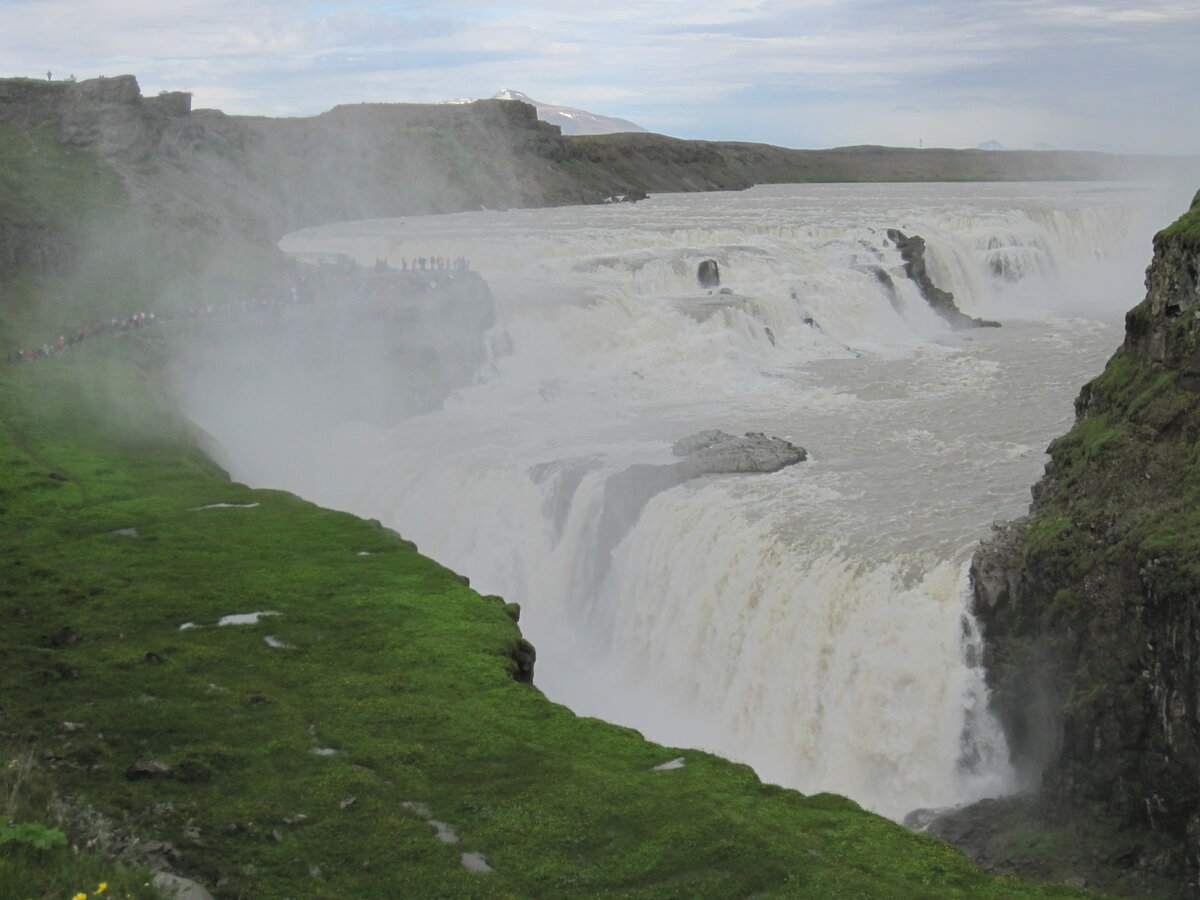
(813, 622)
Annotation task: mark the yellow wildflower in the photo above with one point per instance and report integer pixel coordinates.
(79, 897)
(102, 888)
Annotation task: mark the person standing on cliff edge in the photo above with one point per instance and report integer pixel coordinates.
(48, 78)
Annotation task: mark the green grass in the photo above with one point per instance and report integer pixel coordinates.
(391, 661)
(1187, 227)
(1129, 465)
(37, 862)
(46, 181)
(64, 873)
(67, 208)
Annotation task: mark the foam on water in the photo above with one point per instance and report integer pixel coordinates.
(813, 622)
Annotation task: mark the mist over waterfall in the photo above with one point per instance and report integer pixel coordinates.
(814, 621)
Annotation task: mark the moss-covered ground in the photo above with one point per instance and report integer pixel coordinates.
(308, 754)
(1187, 227)
(1130, 465)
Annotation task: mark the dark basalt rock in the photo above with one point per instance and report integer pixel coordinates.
(66, 637)
(1022, 836)
(628, 197)
(708, 273)
(148, 768)
(889, 286)
(523, 656)
(912, 251)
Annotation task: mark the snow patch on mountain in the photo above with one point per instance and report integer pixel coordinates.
(570, 119)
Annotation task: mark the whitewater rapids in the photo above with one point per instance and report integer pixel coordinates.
(813, 622)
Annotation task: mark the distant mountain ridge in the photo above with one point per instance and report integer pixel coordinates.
(570, 119)
(996, 145)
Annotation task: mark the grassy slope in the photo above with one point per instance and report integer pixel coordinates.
(392, 661)
(40, 173)
(99, 263)
(103, 257)
(1186, 228)
(1130, 461)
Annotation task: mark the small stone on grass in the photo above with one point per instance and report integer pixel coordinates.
(475, 862)
(676, 763)
(245, 618)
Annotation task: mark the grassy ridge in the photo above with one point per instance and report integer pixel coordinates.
(1186, 229)
(76, 250)
(391, 662)
(45, 181)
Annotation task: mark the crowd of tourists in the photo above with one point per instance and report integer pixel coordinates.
(77, 336)
(458, 263)
(323, 282)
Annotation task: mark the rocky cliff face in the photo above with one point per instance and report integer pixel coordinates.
(108, 115)
(204, 172)
(257, 178)
(1091, 605)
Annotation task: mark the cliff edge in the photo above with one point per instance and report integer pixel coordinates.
(1090, 605)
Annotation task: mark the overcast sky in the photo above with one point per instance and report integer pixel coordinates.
(1120, 75)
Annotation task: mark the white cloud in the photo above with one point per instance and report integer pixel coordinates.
(692, 66)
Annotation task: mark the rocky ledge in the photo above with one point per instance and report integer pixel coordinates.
(710, 452)
(717, 452)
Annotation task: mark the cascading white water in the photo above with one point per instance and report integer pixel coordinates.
(814, 621)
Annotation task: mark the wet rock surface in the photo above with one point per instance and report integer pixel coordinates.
(912, 251)
(1025, 837)
(710, 452)
(717, 452)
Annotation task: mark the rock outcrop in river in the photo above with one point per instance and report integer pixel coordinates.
(708, 273)
(711, 452)
(716, 452)
(912, 251)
